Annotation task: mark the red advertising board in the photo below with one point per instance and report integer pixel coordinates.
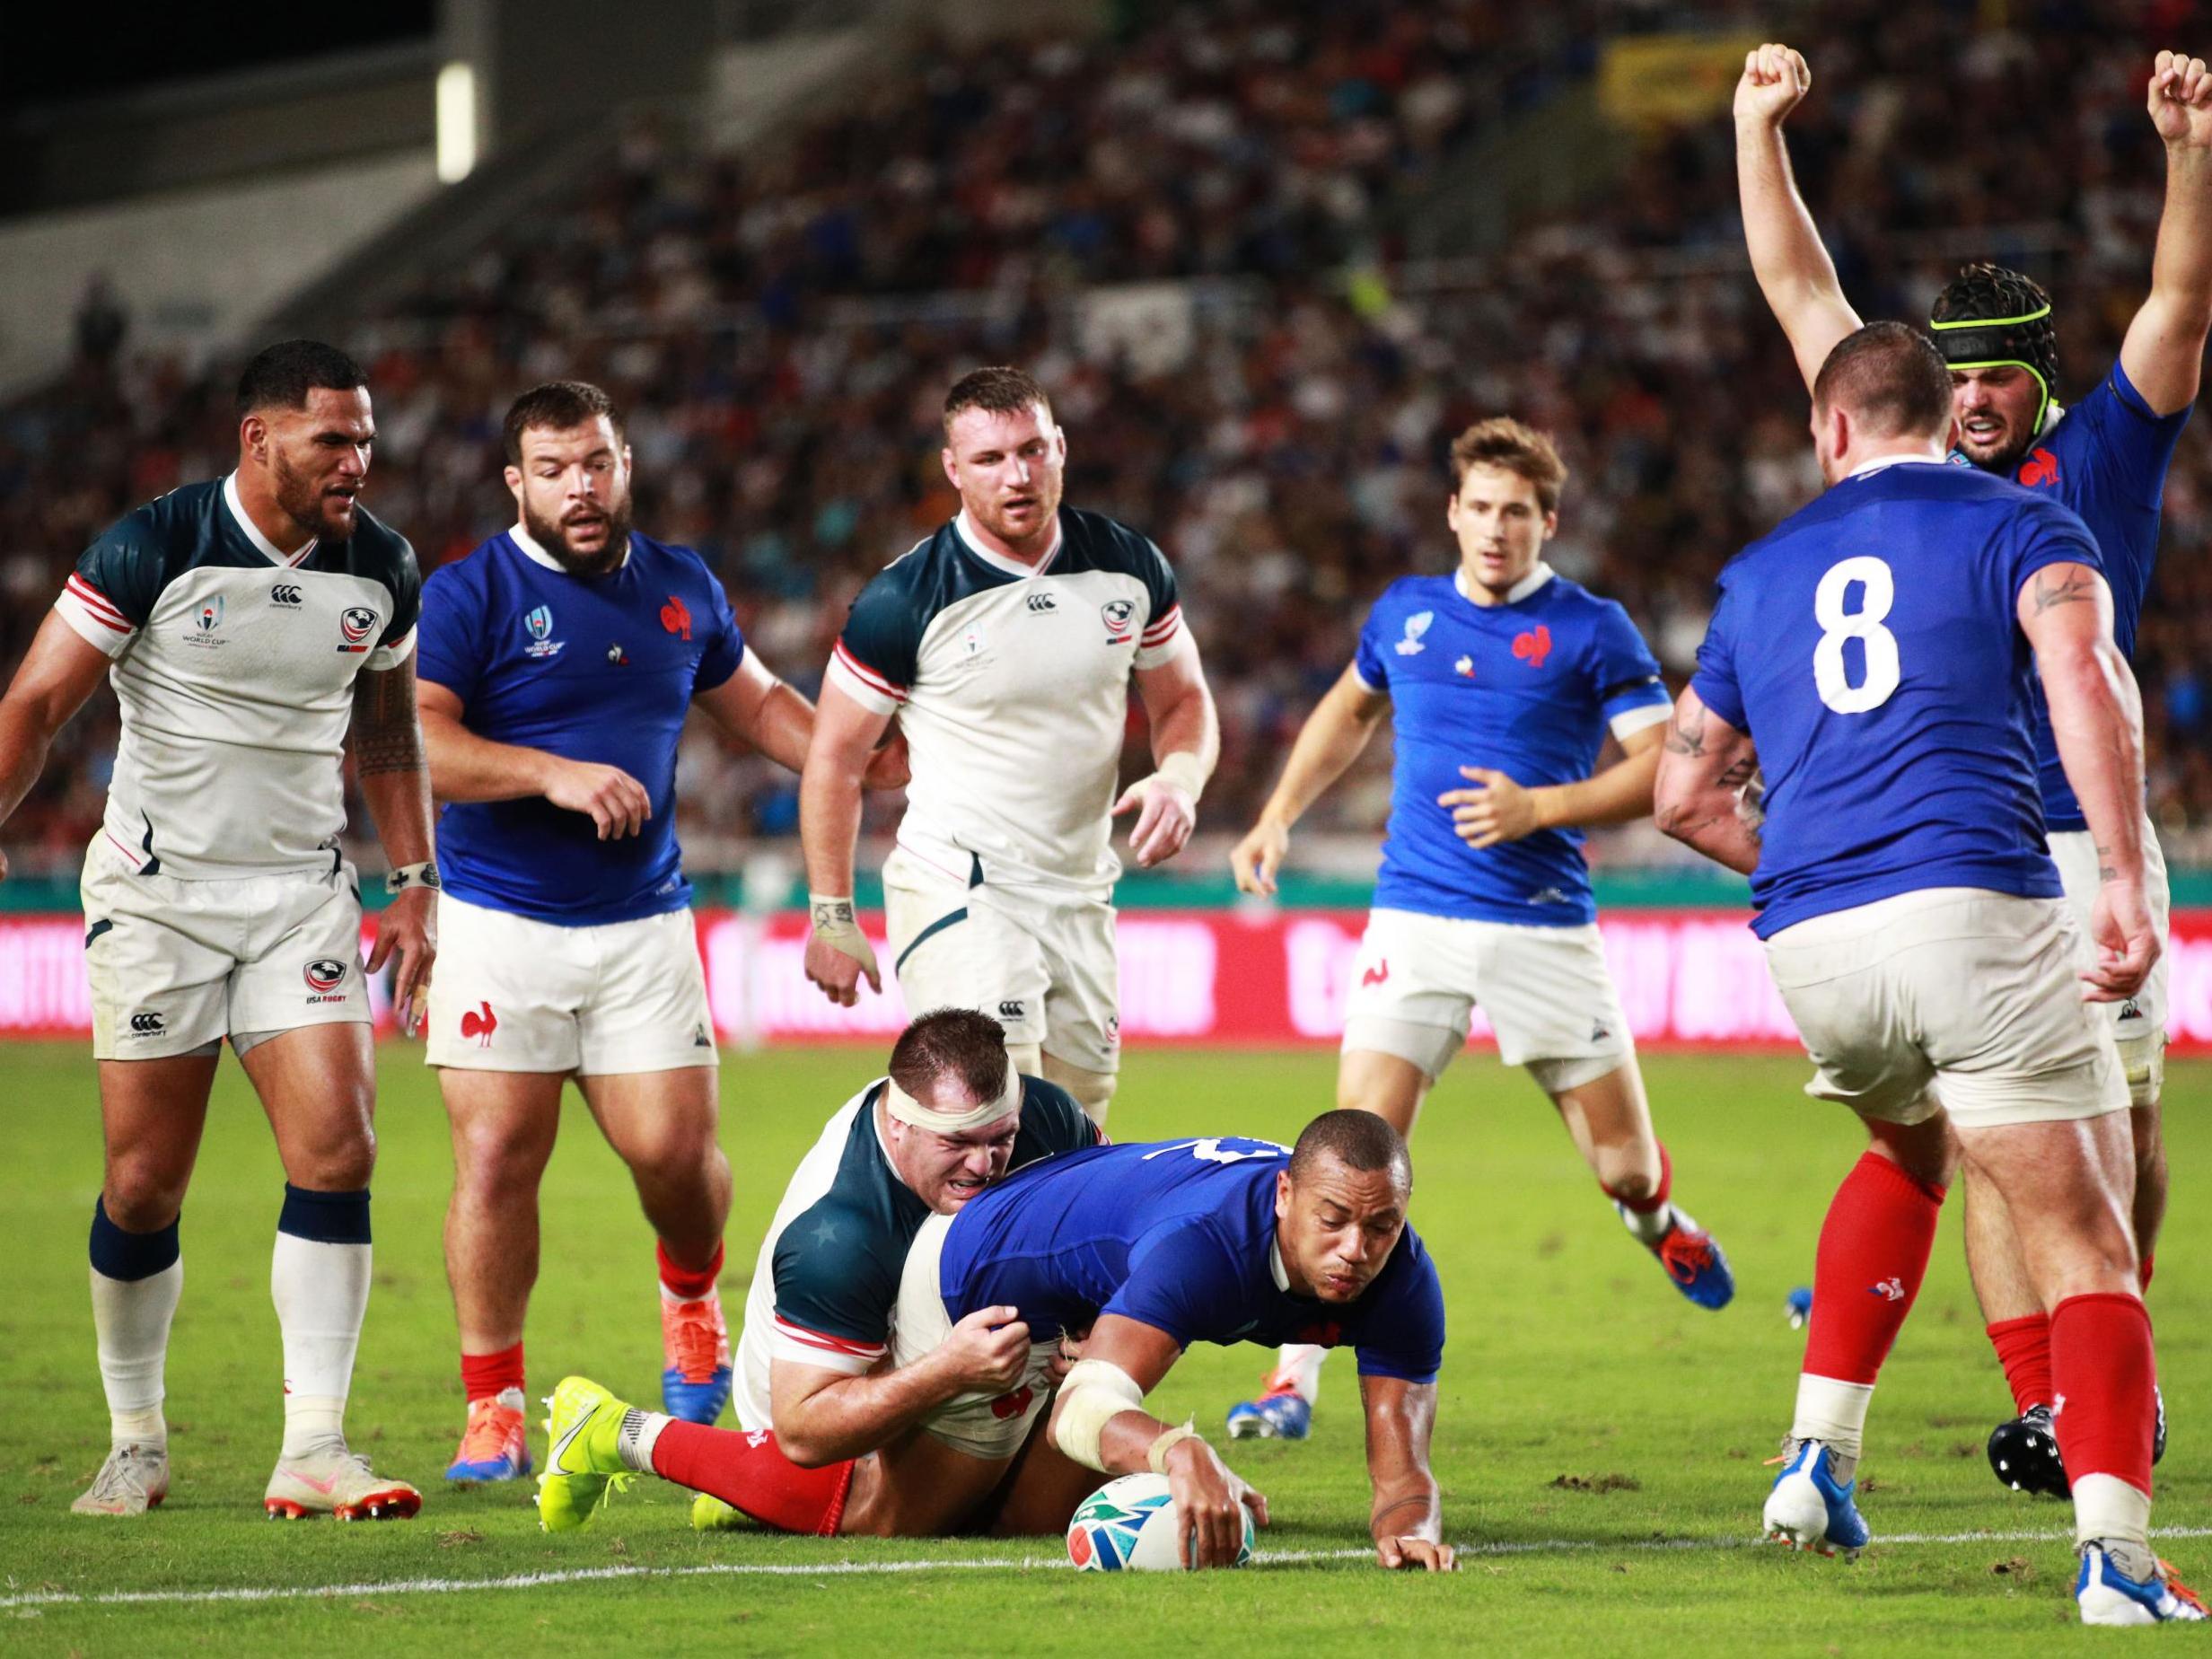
(1688, 978)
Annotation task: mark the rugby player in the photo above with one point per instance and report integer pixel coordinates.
(1508, 676)
(254, 628)
(1873, 656)
(1005, 644)
(558, 662)
(2106, 458)
(831, 1438)
(1130, 1254)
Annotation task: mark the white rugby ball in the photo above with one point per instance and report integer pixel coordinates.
(1128, 1525)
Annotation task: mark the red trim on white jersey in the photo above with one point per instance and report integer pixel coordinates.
(867, 676)
(1162, 629)
(98, 604)
(828, 1343)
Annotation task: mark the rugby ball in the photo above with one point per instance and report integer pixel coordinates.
(1128, 1525)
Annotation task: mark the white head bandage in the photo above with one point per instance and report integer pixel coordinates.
(904, 1107)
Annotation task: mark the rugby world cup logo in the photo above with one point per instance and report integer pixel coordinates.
(210, 616)
(538, 621)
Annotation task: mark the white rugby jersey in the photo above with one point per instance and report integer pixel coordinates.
(1012, 686)
(235, 665)
(825, 1286)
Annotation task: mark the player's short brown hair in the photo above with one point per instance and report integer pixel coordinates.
(1000, 390)
(1507, 444)
(1890, 378)
(1359, 1140)
(960, 1043)
(557, 406)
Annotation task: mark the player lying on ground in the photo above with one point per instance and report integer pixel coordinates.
(255, 628)
(2105, 457)
(1873, 656)
(1005, 644)
(1510, 677)
(1129, 1254)
(828, 1443)
(560, 660)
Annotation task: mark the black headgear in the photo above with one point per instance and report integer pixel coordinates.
(1988, 317)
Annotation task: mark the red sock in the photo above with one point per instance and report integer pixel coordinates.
(483, 1376)
(1659, 1194)
(688, 1284)
(746, 1470)
(2103, 1366)
(2023, 1348)
(2150, 1258)
(1874, 1254)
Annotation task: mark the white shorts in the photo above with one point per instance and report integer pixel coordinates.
(1040, 962)
(989, 1426)
(2138, 1023)
(177, 966)
(512, 994)
(1971, 991)
(1418, 979)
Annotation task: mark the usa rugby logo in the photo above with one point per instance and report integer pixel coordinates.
(1117, 613)
(354, 624)
(324, 975)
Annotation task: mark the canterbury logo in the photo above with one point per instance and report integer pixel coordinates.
(146, 1024)
(1041, 602)
(287, 595)
(1010, 1009)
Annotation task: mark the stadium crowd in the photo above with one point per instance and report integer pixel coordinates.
(781, 325)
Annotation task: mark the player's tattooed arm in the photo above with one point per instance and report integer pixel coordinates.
(388, 758)
(1705, 768)
(2063, 584)
(386, 735)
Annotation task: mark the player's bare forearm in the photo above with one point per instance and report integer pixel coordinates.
(1335, 734)
(1406, 1519)
(1703, 762)
(1619, 794)
(464, 767)
(758, 709)
(830, 788)
(390, 761)
(1794, 272)
(1179, 706)
(821, 1418)
(2096, 712)
(2162, 353)
(50, 684)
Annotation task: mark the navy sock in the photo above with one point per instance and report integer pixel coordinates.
(325, 1217)
(129, 1256)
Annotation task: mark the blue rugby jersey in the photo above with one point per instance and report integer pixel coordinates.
(1870, 647)
(602, 670)
(2106, 458)
(1178, 1235)
(1527, 688)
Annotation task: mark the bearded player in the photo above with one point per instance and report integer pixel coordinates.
(2105, 457)
(254, 628)
(1005, 644)
(1509, 676)
(559, 661)
(1129, 1255)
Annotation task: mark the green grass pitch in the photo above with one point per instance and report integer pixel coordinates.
(1599, 1445)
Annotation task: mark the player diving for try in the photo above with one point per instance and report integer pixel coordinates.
(1129, 1255)
(829, 1439)
(2106, 458)
(1005, 644)
(1506, 677)
(255, 628)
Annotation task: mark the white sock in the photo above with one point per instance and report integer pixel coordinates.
(1298, 1366)
(131, 1319)
(639, 1434)
(321, 1291)
(1832, 1412)
(1648, 1226)
(2106, 1506)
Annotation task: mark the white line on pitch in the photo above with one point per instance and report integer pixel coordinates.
(840, 1569)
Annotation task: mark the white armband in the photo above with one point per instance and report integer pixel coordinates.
(1094, 1392)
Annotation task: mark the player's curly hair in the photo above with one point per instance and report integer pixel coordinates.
(280, 376)
(1507, 444)
(1997, 295)
(951, 1042)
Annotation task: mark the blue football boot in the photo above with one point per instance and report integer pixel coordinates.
(1809, 1508)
